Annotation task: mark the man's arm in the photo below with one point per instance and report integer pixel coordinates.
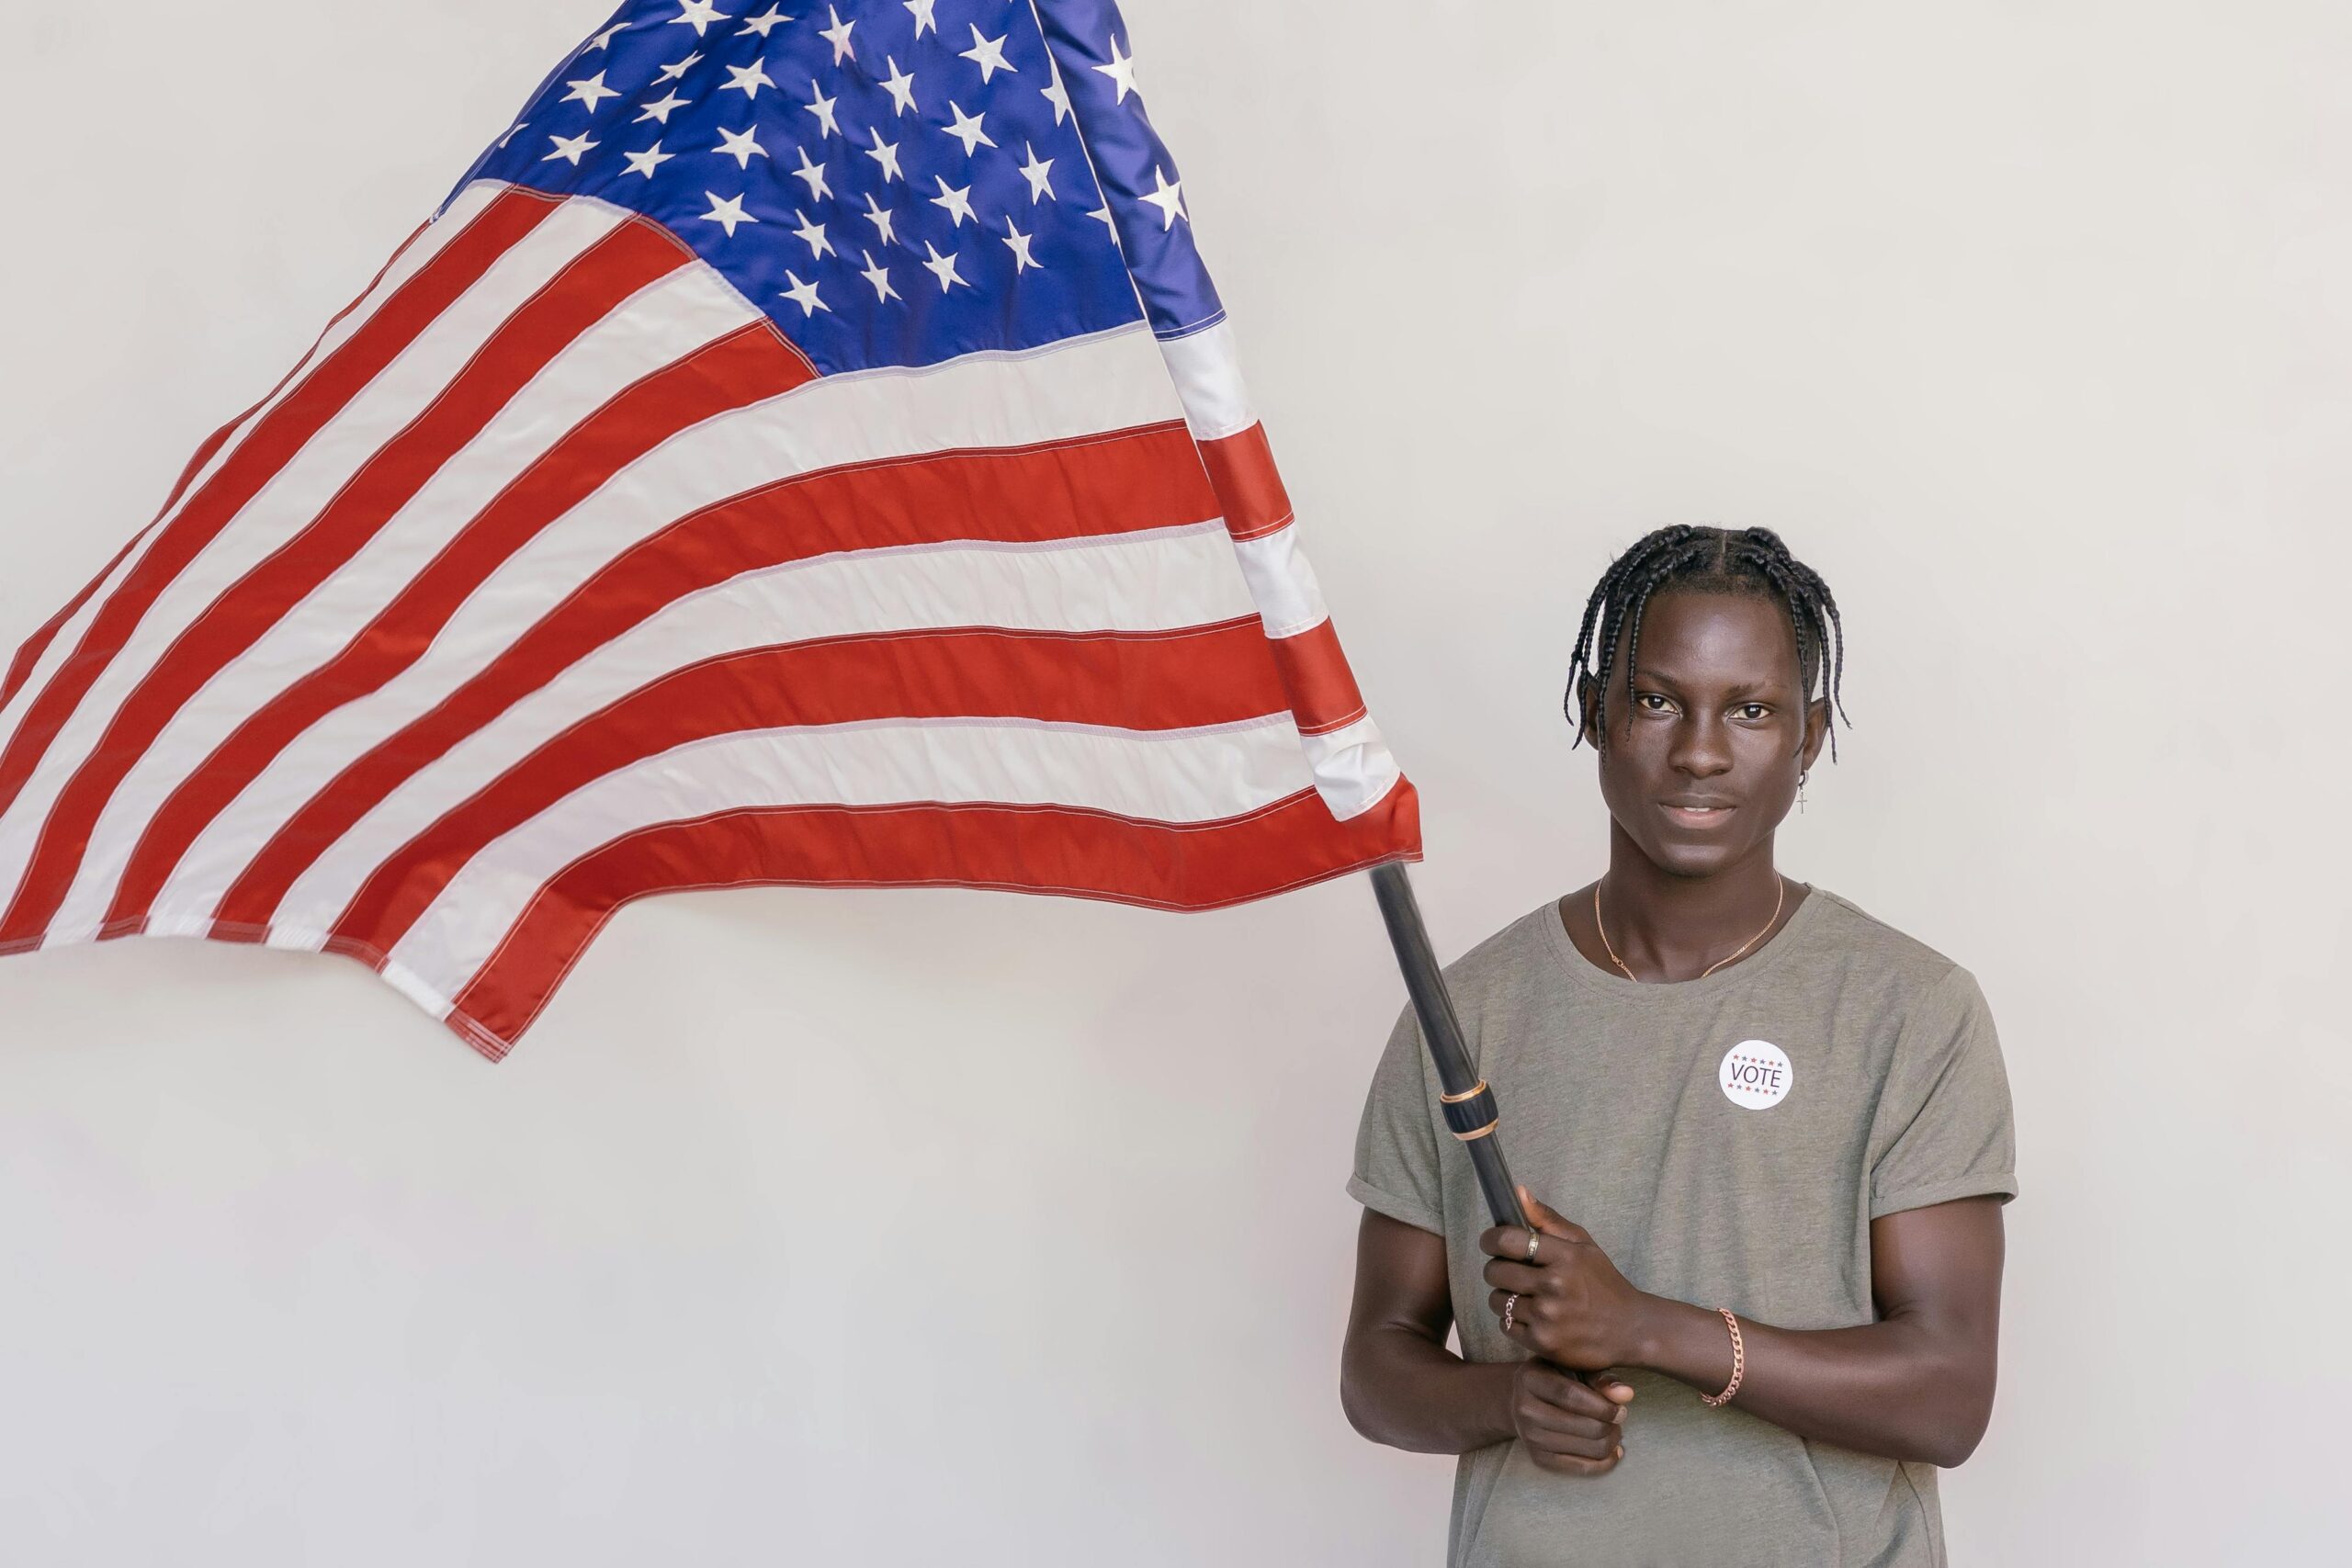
(1917, 1384)
(1401, 1387)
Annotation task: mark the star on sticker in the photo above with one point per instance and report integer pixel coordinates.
(588, 90)
(887, 154)
(1019, 243)
(1103, 215)
(989, 55)
(698, 15)
(749, 79)
(568, 148)
(740, 145)
(1057, 95)
(1121, 69)
(804, 295)
(645, 162)
(661, 109)
(901, 86)
(812, 235)
(958, 202)
(838, 36)
(814, 175)
(923, 13)
(604, 39)
(966, 128)
(727, 213)
(882, 218)
(879, 275)
(1039, 173)
(678, 68)
(822, 107)
(1168, 198)
(944, 268)
(764, 25)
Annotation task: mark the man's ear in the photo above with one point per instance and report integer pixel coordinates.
(1817, 730)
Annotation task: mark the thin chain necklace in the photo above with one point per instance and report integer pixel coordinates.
(1782, 894)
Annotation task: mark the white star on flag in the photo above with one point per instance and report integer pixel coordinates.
(1019, 243)
(811, 235)
(740, 145)
(604, 39)
(838, 36)
(766, 23)
(804, 295)
(727, 213)
(661, 109)
(882, 218)
(989, 55)
(900, 85)
(1039, 173)
(678, 68)
(822, 107)
(958, 202)
(887, 154)
(967, 130)
(698, 15)
(1056, 94)
(1168, 198)
(570, 149)
(923, 19)
(1121, 69)
(944, 268)
(749, 79)
(589, 90)
(645, 162)
(879, 275)
(813, 175)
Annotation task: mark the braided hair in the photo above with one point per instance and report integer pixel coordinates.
(1710, 560)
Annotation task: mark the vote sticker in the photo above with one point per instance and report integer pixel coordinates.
(1756, 1074)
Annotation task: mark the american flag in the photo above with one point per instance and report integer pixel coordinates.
(806, 448)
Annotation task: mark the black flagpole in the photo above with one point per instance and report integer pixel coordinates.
(1470, 1108)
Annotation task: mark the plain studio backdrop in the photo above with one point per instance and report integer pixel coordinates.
(901, 1227)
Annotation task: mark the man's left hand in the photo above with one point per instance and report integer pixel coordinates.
(1574, 1310)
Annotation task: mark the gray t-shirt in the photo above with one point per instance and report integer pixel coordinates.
(1727, 1141)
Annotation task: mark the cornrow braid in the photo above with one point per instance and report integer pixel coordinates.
(1709, 560)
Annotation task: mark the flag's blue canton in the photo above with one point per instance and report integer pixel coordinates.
(894, 182)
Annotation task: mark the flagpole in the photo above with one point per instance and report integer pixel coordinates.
(1470, 1108)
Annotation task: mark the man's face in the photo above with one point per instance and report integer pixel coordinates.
(1704, 766)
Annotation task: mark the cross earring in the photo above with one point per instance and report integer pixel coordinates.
(1800, 778)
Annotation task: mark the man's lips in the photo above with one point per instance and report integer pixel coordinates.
(1701, 816)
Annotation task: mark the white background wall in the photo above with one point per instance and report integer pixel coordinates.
(923, 1227)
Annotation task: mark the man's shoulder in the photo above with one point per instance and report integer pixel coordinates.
(1873, 944)
(1507, 952)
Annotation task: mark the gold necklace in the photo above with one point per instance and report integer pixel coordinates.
(1782, 893)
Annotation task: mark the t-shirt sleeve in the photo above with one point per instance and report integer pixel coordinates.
(1395, 1168)
(1944, 1128)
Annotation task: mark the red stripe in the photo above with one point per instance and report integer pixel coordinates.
(258, 459)
(611, 270)
(744, 367)
(1032, 850)
(1208, 675)
(1247, 484)
(1108, 484)
(29, 654)
(1320, 687)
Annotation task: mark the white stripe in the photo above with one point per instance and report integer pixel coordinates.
(1113, 381)
(666, 322)
(1198, 775)
(1208, 373)
(1353, 770)
(1159, 580)
(423, 247)
(1289, 599)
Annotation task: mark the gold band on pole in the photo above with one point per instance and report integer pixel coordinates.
(1465, 1094)
(1481, 1132)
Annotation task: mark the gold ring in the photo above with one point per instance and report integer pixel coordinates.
(1532, 1238)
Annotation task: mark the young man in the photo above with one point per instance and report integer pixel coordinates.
(1765, 1140)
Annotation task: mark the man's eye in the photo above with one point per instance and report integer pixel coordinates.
(1753, 710)
(1645, 700)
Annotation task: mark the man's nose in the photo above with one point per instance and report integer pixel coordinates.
(1700, 748)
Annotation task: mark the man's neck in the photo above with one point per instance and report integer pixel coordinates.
(1671, 926)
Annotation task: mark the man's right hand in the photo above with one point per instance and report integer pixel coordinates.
(1570, 1428)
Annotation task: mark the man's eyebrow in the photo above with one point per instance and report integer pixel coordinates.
(1766, 686)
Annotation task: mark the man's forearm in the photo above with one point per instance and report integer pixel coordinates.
(1399, 1389)
(1898, 1388)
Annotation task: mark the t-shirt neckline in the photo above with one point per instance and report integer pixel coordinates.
(1774, 952)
